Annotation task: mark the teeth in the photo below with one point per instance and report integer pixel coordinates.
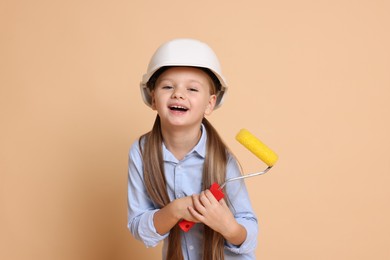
(178, 108)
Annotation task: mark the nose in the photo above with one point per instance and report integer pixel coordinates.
(177, 94)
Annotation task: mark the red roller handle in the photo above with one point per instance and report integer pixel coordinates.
(218, 194)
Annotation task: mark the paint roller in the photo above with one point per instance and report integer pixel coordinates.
(259, 149)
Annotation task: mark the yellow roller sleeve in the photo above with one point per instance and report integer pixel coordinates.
(257, 147)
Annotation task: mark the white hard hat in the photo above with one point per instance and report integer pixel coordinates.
(183, 52)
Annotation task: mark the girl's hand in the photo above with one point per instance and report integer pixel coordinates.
(181, 207)
(168, 216)
(213, 213)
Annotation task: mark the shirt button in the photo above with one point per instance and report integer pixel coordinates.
(191, 247)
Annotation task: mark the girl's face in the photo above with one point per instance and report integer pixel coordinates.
(182, 96)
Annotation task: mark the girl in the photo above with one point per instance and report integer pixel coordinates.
(172, 166)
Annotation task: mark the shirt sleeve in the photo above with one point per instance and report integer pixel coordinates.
(141, 209)
(241, 207)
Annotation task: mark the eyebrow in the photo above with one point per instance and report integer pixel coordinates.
(162, 79)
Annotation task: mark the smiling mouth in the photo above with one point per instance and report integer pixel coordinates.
(178, 108)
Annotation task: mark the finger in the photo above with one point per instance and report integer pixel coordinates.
(195, 196)
(195, 214)
(204, 199)
(198, 204)
(210, 196)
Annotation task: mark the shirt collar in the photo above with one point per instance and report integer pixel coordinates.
(199, 148)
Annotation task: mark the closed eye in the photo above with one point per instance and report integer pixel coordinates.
(193, 89)
(166, 87)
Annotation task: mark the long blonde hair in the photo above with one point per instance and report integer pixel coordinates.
(214, 170)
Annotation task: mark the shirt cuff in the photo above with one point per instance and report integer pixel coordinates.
(251, 238)
(147, 231)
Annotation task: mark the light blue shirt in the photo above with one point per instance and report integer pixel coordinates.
(184, 178)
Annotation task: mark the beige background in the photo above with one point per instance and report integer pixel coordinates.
(309, 78)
